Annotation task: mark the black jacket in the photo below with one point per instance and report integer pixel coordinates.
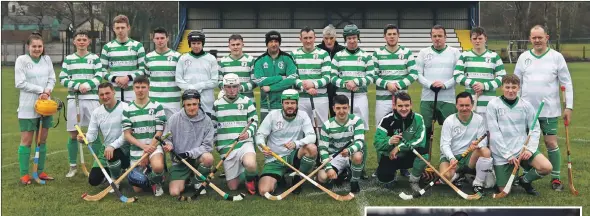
(337, 48)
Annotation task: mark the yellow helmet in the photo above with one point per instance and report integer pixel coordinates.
(46, 107)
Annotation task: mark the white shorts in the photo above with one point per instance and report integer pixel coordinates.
(158, 150)
(381, 109)
(361, 107)
(86, 108)
(340, 163)
(233, 163)
(321, 104)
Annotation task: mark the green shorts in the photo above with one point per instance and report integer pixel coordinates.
(31, 124)
(503, 172)
(548, 126)
(443, 110)
(276, 169)
(463, 162)
(181, 172)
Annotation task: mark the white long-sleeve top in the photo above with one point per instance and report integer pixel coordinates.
(508, 128)
(280, 131)
(456, 136)
(541, 78)
(32, 77)
(433, 65)
(108, 122)
(199, 73)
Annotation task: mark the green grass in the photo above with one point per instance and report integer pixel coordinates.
(567, 49)
(62, 196)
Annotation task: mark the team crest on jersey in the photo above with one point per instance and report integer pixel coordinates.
(281, 65)
(401, 57)
(128, 48)
(501, 112)
(29, 66)
(187, 63)
(488, 60)
(170, 58)
(411, 130)
(315, 56)
(265, 65)
(428, 57)
(244, 64)
(240, 106)
(359, 59)
(151, 111)
(527, 62)
(456, 130)
(280, 125)
(88, 61)
(351, 128)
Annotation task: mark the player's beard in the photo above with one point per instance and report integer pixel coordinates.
(292, 115)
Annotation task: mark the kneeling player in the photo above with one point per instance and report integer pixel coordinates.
(337, 132)
(290, 135)
(459, 133)
(232, 113)
(143, 120)
(397, 134)
(515, 116)
(192, 139)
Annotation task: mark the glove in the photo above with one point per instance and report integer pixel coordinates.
(435, 89)
(184, 155)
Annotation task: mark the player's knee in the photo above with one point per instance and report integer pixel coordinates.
(485, 152)
(206, 159)
(157, 167)
(137, 189)
(545, 169)
(357, 158)
(551, 143)
(175, 191)
(250, 163)
(322, 177)
(311, 150)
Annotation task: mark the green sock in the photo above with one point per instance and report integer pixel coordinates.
(203, 170)
(24, 152)
(156, 178)
(555, 159)
(306, 164)
(364, 151)
(531, 176)
(42, 157)
(251, 175)
(72, 151)
(357, 171)
(114, 168)
(419, 166)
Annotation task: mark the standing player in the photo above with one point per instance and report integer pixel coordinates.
(289, 134)
(122, 59)
(35, 78)
(106, 119)
(435, 66)
(142, 121)
(81, 73)
(480, 71)
(313, 69)
(542, 71)
(336, 133)
(330, 45)
(515, 116)
(231, 114)
(198, 70)
(394, 70)
(274, 71)
(241, 64)
(459, 133)
(397, 134)
(161, 68)
(192, 139)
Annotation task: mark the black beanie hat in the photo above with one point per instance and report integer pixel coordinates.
(272, 35)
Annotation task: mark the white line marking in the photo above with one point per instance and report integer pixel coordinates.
(52, 153)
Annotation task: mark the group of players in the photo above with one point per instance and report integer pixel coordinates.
(164, 92)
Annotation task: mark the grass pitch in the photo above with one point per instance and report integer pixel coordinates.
(62, 196)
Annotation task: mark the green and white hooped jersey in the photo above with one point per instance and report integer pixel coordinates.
(397, 67)
(243, 67)
(231, 118)
(122, 59)
(161, 68)
(357, 66)
(77, 70)
(334, 136)
(486, 68)
(315, 66)
(143, 123)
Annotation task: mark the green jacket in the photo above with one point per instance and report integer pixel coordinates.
(279, 74)
(412, 129)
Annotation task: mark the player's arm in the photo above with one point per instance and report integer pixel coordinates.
(359, 137)
(140, 62)
(565, 79)
(324, 143)
(420, 69)
(412, 72)
(180, 75)
(92, 131)
(326, 68)
(260, 78)
(450, 83)
(250, 85)
(51, 78)
(220, 76)
(213, 75)
(446, 137)
(126, 125)
(336, 79)
(495, 133)
(98, 74)
(499, 72)
(518, 71)
(207, 144)
(252, 115)
(459, 73)
(20, 79)
(370, 73)
(378, 80)
(381, 141)
(419, 138)
(64, 77)
(309, 136)
(481, 130)
(291, 73)
(264, 130)
(104, 60)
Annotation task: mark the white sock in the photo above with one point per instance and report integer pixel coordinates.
(482, 167)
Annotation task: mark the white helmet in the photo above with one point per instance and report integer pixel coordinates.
(231, 79)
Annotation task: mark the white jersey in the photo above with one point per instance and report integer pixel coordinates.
(541, 78)
(456, 136)
(433, 65)
(199, 73)
(108, 122)
(32, 77)
(507, 141)
(279, 131)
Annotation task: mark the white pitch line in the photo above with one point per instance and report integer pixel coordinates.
(52, 153)
(575, 139)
